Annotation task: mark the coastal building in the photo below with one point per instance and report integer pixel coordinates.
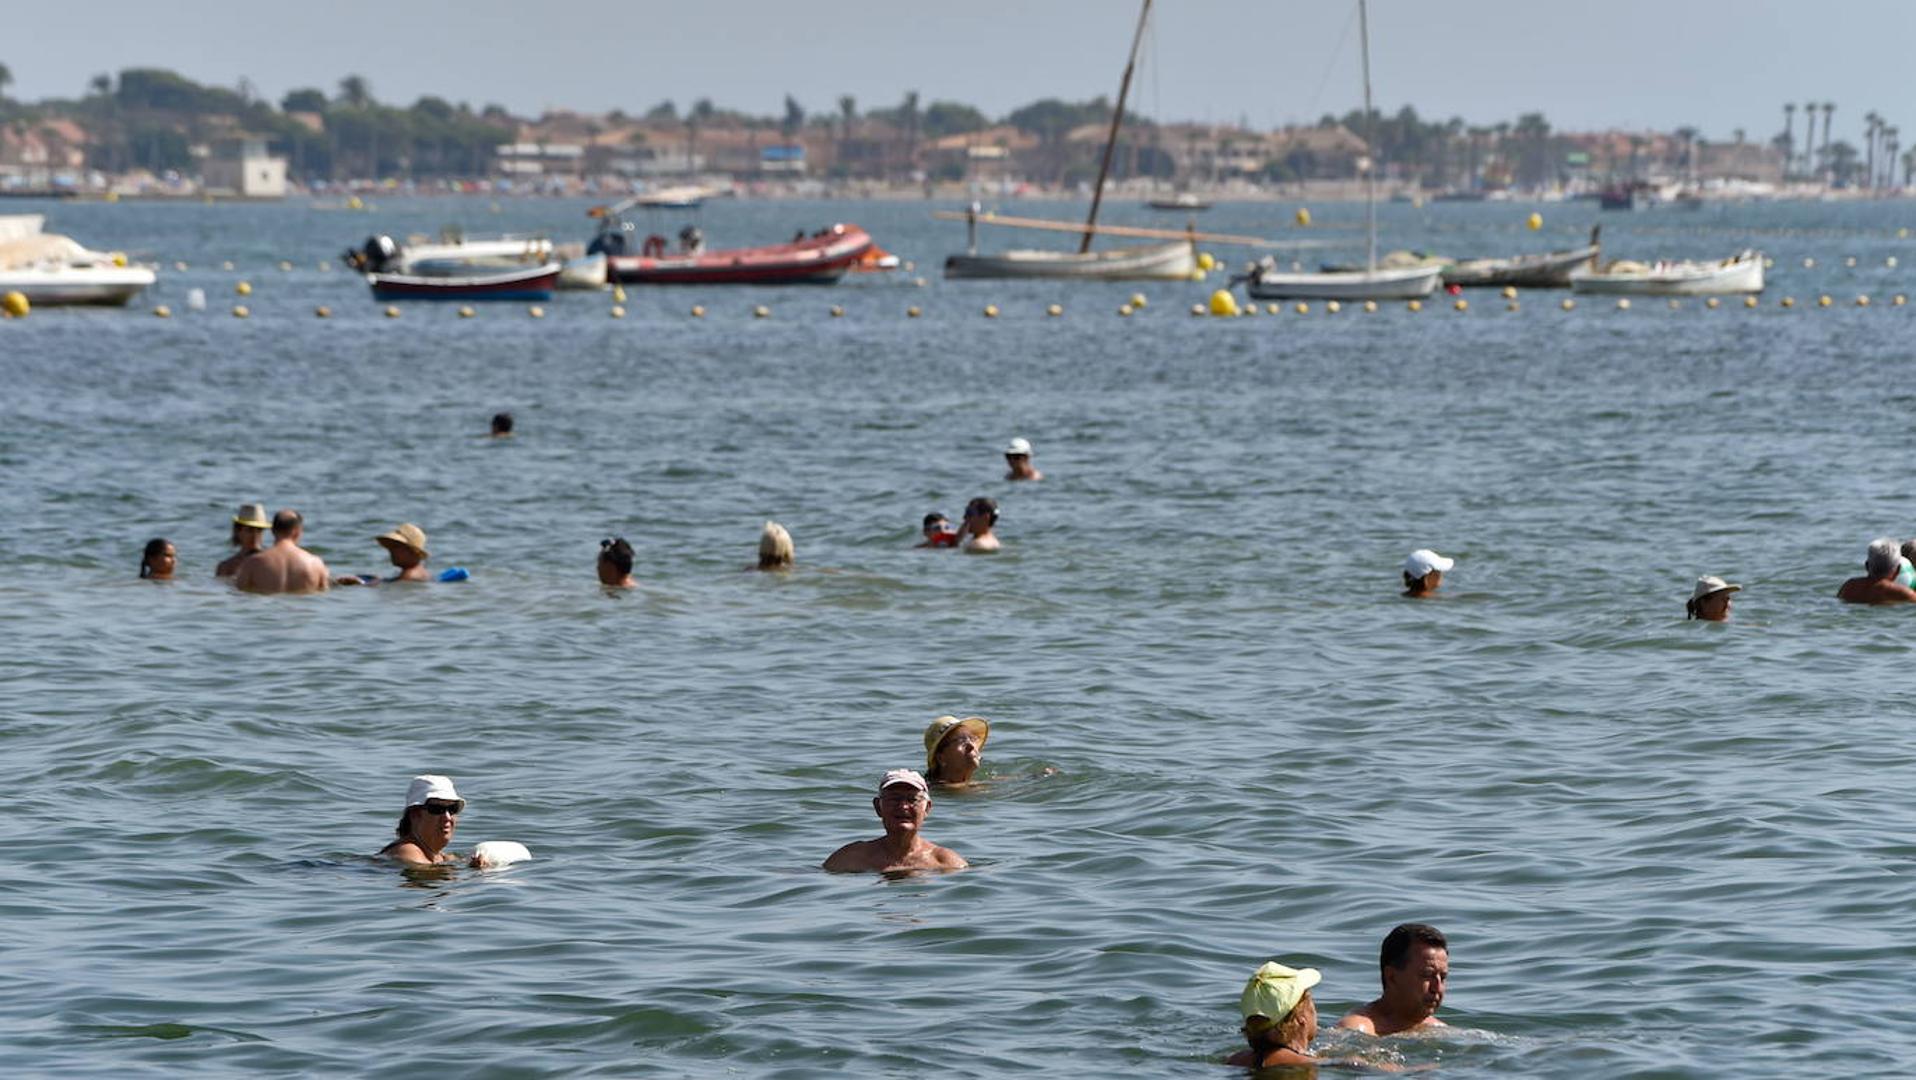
(242, 167)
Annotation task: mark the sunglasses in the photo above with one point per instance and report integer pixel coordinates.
(442, 809)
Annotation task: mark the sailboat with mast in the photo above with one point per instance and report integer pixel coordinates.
(1175, 259)
(1267, 282)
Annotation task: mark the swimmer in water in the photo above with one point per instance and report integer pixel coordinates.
(975, 535)
(502, 425)
(1018, 461)
(1424, 572)
(249, 535)
(938, 532)
(285, 567)
(406, 546)
(775, 551)
(1415, 966)
(426, 825)
(615, 564)
(1710, 600)
(1878, 585)
(904, 800)
(158, 559)
(1280, 1017)
(954, 748)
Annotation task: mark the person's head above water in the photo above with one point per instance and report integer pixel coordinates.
(615, 562)
(1424, 571)
(501, 424)
(954, 747)
(1882, 559)
(1710, 599)
(1414, 966)
(287, 525)
(903, 801)
(1279, 1013)
(250, 525)
(426, 825)
(405, 544)
(1018, 460)
(981, 512)
(157, 559)
(775, 550)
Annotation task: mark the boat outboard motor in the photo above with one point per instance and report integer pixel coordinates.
(691, 240)
(609, 241)
(378, 253)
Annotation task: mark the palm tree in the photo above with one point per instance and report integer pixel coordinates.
(701, 111)
(6, 79)
(847, 112)
(1828, 108)
(1809, 138)
(1872, 123)
(355, 91)
(1789, 135)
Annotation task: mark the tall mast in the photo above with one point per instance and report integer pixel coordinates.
(1370, 146)
(1111, 140)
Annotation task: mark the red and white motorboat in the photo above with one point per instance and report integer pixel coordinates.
(818, 259)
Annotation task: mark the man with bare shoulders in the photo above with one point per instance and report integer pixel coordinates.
(285, 567)
(1879, 584)
(1415, 962)
(904, 799)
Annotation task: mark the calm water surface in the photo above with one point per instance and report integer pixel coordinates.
(1660, 848)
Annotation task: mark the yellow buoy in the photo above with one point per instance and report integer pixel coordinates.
(1787, 301)
(1862, 301)
(119, 259)
(1303, 217)
(112, 196)
(1054, 310)
(1137, 301)
(179, 266)
(1769, 263)
(1370, 307)
(618, 311)
(1249, 310)
(392, 311)
(1902, 233)
(1197, 309)
(1623, 303)
(761, 312)
(1533, 222)
(1223, 302)
(1302, 308)
(1809, 264)
(1333, 307)
(243, 289)
(1206, 261)
(1510, 292)
(227, 265)
(837, 312)
(466, 313)
(1273, 309)
(918, 282)
(1461, 304)
(912, 312)
(285, 265)
(240, 312)
(1898, 300)
(1415, 305)
(1890, 262)
(1125, 310)
(1710, 303)
(15, 305)
(1823, 301)
(698, 311)
(991, 311)
(1197, 275)
(323, 312)
(1850, 262)
(1510, 305)
(1568, 304)
(162, 312)
(1675, 304)
(618, 294)
(536, 311)
(353, 203)
(1749, 301)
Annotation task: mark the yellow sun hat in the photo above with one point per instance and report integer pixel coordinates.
(407, 535)
(935, 734)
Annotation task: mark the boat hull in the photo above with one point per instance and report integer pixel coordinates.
(1743, 274)
(586, 272)
(1175, 261)
(1548, 271)
(815, 260)
(103, 286)
(1412, 283)
(533, 284)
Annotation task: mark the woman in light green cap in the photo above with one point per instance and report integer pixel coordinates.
(1280, 1019)
(954, 748)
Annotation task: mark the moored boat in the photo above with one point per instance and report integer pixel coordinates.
(1182, 201)
(1267, 282)
(1740, 273)
(50, 269)
(819, 259)
(522, 283)
(1548, 270)
(453, 255)
(1174, 261)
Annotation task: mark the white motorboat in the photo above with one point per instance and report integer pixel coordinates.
(1740, 273)
(448, 256)
(50, 269)
(1267, 282)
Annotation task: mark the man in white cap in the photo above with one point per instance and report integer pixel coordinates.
(1424, 571)
(904, 799)
(426, 825)
(1878, 585)
(1018, 461)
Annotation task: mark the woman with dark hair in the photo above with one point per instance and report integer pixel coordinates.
(1710, 600)
(981, 516)
(615, 564)
(156, 562)
(426, 825)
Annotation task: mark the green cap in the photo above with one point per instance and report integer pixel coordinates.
(1274, 990)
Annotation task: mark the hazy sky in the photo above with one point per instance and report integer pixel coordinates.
(1714, 64)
